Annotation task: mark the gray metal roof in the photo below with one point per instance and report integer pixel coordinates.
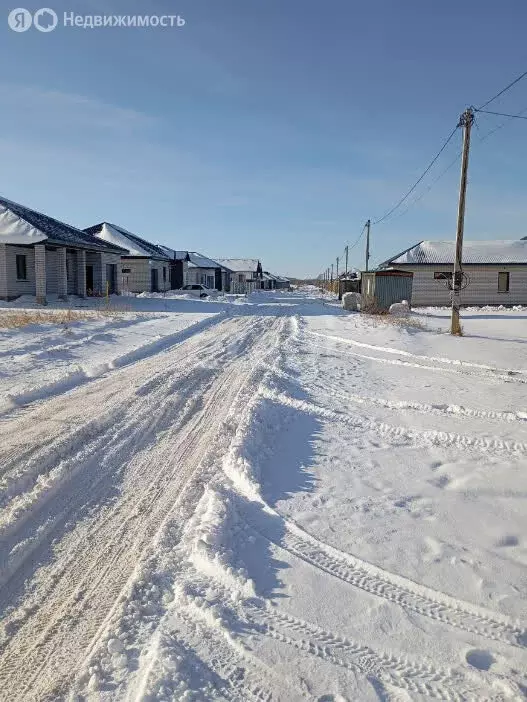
(474, 252)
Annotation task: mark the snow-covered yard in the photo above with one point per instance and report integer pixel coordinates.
(264, 499)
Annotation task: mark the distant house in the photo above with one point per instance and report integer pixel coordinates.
(247, 274)
(145, 266)
(270, 281)
(42, 256)
(494, 272)
(193, 268)
(282, 283)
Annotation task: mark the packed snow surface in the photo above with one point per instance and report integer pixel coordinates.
(263, 498)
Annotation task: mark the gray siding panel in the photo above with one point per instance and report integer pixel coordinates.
(20, 287)
(481, 290)
(139, 277)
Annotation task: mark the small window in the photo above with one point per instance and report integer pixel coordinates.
(127, 270)
(21, 267)
(503, 282)
(443, 275)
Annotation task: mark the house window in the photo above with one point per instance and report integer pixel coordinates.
(127, 270)
(21, 267)
(443, 275)
(503, 282)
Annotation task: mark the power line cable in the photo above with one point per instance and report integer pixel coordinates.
(503, 124)
(431, 185)
(414, 186)
(350, 248)
(508, 87)
(502, 114)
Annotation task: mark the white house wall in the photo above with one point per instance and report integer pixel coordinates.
(482, 288)
(201, 276)
(98, 261)
(136, 275)
(14, 287)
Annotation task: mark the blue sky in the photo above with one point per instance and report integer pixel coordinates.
(267, 129)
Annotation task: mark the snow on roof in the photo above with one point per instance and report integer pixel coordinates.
(135, 245)
(21, 225)
(474, 252)
(15, 230)
(240, 265)
(195, 259)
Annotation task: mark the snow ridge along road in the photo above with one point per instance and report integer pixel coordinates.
(80, 540)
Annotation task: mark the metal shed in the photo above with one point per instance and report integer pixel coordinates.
(383, 287)
(348, 285)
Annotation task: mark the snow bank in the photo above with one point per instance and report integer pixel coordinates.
(351, 301)
(210, 538)
(400, 309)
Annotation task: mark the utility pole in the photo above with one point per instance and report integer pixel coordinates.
(338, 280)
(347, 252)
(466, 121)
(331, 286)
(368, 224)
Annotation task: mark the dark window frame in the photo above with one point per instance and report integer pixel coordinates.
(507, 279)
(21, 266)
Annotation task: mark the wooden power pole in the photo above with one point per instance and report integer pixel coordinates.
(347, 252)
(331, 287)
(466, 121)
(368, 224)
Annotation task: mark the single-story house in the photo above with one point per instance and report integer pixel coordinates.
(247, 274)
(494, 272)
(145, 266)
(270, 281)
(41, 256)
(193, 268)
(282, 283)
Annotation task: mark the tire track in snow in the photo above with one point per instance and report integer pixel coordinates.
(385, 669)
(244, 676)
(53, 632)
(73, 379)
(439, 410)
(502, 373)
(393, 432)
(420, 366)
(401, 591)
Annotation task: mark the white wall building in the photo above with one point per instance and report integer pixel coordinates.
(247, 274)
(494, 272)
(145, 268)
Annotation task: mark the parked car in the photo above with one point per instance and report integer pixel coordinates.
(198, 291)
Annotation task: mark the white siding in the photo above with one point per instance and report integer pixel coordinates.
(15, 287)
(137, 277)
(3, 272)
(10, 287)
(481, 290)
(201, 276)
(71, 267)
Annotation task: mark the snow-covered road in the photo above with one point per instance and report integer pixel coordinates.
(281, 502)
